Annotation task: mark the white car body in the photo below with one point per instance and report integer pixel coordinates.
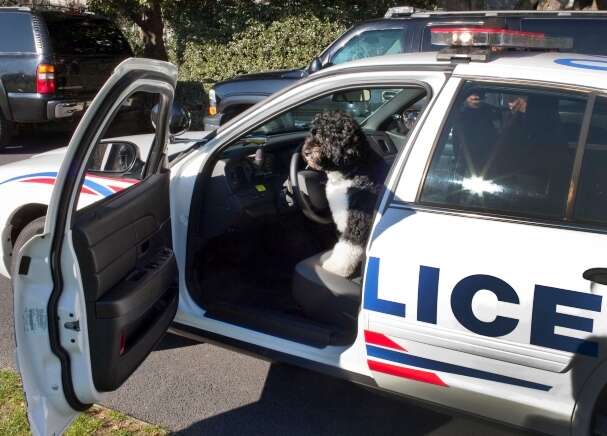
(425, 353)
(29, 182)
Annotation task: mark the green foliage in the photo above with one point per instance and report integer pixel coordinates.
(286, 43)
(213, 40)
(97, 420)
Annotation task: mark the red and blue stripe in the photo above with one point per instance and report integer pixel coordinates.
(88, 187)
(381, 347)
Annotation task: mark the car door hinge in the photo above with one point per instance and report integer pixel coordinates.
(72, 325)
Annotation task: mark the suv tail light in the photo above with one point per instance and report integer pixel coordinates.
(212, 110)
(45, 79)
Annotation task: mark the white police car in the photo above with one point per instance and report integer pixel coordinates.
(483, 287)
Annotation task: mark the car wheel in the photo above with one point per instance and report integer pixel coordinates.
(36, 227)
(599, 416)
(599, 425)
(5, 131)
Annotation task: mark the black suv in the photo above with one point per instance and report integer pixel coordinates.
(403, 30)
(52, 63)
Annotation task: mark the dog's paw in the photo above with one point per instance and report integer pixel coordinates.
(340, 266)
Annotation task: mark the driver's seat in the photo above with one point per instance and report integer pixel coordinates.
(324, 296)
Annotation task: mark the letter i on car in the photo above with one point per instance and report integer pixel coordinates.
(482, 281)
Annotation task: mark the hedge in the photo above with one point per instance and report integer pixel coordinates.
(290, 42)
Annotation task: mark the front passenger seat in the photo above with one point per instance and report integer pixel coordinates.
(324, 296)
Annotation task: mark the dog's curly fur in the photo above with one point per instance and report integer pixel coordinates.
(337, 145)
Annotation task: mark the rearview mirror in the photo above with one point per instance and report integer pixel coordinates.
(352, 96)
(116, 157)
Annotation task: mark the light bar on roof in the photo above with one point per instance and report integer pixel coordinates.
(495, 37)
(399, 11)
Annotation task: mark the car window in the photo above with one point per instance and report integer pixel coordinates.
(16, 34)
(118, 160)
(506, 150)
(591, 198)
(588, 34)
(369, 44)
(361, 103)
(86, 36)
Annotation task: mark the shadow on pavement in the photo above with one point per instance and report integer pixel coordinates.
(170, 342)
(34, 140)
(298, 402)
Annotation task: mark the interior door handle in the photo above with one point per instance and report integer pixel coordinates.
(597, 275)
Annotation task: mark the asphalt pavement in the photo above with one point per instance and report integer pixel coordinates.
(201, 389)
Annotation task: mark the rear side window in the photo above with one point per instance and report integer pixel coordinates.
(16, 34)
(588, 35)
(507, 150)
(86, 36)
(369, 44)
(591, 198)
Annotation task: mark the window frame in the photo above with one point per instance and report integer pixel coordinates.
(154, 161)
(567, 221)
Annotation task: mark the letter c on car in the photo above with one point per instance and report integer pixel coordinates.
(461, 304)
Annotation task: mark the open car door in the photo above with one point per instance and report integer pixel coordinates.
(97, 290)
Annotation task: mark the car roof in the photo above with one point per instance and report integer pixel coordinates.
(441, 16)
(563, 68)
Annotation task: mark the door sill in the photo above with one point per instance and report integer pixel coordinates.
(286, 326)
(204, 336)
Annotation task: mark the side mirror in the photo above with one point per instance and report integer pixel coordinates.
(179, 122)
(116, 157)
(315, 65)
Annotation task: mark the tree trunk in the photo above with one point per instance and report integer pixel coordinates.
(149, 20)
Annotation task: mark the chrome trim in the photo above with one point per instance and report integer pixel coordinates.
(64, 110)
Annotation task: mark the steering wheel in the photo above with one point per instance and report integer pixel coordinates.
(309, 190)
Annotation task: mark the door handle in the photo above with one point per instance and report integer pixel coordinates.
(597, 275)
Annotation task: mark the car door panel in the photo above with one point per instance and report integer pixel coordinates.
(485, 305)
(128, 268)
(96, 291)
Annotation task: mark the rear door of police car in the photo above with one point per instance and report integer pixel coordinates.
(481, 291)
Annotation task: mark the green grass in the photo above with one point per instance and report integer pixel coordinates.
(96, 421)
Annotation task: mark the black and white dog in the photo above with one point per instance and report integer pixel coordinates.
(355, 174)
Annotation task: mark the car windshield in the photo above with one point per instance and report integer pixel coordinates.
(361, 103)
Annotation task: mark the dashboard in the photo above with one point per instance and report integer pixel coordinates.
(250, 180)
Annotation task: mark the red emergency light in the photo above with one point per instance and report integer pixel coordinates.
(496, 38)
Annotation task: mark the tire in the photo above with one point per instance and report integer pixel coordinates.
(32, 229)
(6, 128)
(598, 426)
